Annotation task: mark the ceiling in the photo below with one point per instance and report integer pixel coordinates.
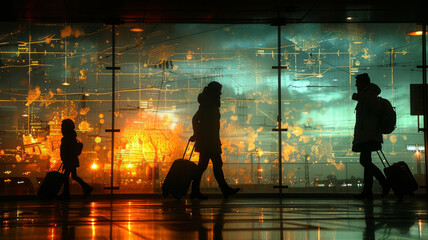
(220, 11)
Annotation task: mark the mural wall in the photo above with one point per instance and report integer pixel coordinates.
(49, 72)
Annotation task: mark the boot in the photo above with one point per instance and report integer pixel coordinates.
(87, 190)
(229, 191)
(365, 194)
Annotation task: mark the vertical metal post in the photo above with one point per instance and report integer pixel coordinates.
(425, 97)
(113, 93)
(280, 123)
(392, 85)
(279, 120)
(29, 77)
(306, 157)
(251, 168)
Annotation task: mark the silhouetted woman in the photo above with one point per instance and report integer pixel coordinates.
(367, 135)
(70, 150)
(206, 134)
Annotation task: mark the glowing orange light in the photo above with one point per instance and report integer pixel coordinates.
(418, 154)
(84, 126)
(136, 29)
(84, 111)
(260, 170)
(101, 115)
(415, 33)
(33, 95)
(97, 139)
(259, 152)
(94, 166)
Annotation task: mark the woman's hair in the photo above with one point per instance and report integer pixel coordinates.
(214, 87)
(363, 78)
(211, 94)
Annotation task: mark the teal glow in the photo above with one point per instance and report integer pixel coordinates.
(322, 61)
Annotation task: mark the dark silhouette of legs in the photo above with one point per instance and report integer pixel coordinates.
(202, 166)
(87, 189)
(218, 174)
(218, 171)
(66, 191)
(370, 171)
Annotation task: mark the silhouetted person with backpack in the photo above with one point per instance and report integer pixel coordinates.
(367, 134)
(206, 135)
(70, 150)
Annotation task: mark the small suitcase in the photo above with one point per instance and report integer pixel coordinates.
(51, 184)
(399, 177)
(179, 176)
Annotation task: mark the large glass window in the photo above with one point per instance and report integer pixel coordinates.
(50, 72)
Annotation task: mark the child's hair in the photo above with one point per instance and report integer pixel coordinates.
(68, 123)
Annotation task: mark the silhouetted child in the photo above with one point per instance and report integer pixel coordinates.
(70, 150)
(367, 135)
(206, 135)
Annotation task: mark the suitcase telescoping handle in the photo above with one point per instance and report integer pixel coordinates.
(184, 154)
(60, 167)
(383, 160)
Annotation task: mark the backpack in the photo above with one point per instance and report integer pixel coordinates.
(387, 116)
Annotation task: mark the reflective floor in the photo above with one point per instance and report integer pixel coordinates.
(239, 218)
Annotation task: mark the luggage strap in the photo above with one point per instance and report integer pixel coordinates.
(384, 160)
(184, 154)
(60, 167)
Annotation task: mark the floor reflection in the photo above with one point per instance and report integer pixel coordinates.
(184, 220)
(214, 219)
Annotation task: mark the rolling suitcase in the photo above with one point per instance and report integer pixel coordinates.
(399, 177)
(51, 184)
(179, 176)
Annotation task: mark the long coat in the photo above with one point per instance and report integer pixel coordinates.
(206, 125)
(70, 149)
(367, 135)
